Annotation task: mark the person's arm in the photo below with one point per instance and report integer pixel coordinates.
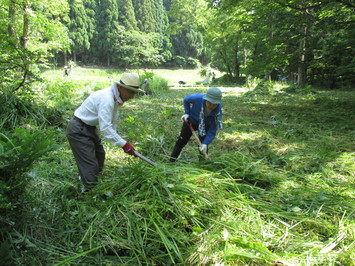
(212, 131)
(210, 135)
(188, 100)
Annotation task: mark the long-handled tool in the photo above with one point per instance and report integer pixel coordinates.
(197, 138)
(140, 156)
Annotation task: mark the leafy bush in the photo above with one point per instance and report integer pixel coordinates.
(179, 61)
(59, 92)
(18, 151)
(296, 89)
(192, 63)
(23, 108)
(226, 80)
(202, 72)
(262, 91)
(156, 84)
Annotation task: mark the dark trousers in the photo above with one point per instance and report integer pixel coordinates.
(183, 138)
(88, 150)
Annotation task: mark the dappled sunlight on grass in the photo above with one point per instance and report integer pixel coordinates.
(278, 187)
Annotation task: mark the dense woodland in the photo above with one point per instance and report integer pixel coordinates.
(279, 188)
(307, 42)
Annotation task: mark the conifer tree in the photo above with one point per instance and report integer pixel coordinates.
(127, 16)
(160, 16)
(106, 29)
(81, 26)
(145, 15)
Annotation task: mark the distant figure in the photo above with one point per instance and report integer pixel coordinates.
(282, 78)
(207, 79)
(66, 71)
(213, 76)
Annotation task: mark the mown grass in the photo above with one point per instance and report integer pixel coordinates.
(279, 187)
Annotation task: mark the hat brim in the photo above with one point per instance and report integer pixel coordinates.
(211, 100)
(129, 87)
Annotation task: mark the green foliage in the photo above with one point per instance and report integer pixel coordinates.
(277, 189)
(81, 25)
(21, 108)
(59, 93)
(262, 91)
(127, 15)
(262, 37)
(158, 85)
(31, 32)
(106, 31)
(296, 89)
(192, 63)
(139, 49)
(18, 151)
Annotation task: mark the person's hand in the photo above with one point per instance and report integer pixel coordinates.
(128, 148)
(203, 148)
(185, 117)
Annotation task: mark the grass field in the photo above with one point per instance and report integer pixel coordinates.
(279, 189)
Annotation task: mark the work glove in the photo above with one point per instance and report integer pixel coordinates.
(203, 148)
(185, 117)
(128, 148)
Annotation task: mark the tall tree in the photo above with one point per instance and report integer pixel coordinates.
(106, 30)
(145, 15)
(160, 17)
(34, 29)
(280, 35)
(81, 25)
(127, 16)
(186, 27)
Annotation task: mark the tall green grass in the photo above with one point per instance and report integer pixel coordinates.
(278, 190)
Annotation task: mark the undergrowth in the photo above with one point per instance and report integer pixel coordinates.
(279, 189)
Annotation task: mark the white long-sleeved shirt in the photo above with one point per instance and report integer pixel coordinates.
(101, 109)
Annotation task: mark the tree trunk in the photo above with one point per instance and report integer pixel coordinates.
(229, 70)
(25, 27)
(302, 66)
(25, 68)
(236, 61)
(65, 58)
(11, 25)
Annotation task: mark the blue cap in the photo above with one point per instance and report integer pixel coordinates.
(213, 95)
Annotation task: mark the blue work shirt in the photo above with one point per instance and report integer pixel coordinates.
(194, 106)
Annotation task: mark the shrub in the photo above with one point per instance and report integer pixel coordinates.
(18, 151)
(192, 63)
(293, 88)
(156, 84)
(179, 61)
(262, 91)
(23, 108)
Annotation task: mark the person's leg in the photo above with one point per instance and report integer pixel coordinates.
(183, 138)
(82, 143)
(100, 152)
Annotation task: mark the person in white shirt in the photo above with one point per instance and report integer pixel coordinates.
(99, 112)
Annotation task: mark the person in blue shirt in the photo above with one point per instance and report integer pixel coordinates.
(204, 113)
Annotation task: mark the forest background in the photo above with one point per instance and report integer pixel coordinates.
(307, 42)
(280, 187)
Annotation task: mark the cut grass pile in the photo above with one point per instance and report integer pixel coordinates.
(279, 188)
